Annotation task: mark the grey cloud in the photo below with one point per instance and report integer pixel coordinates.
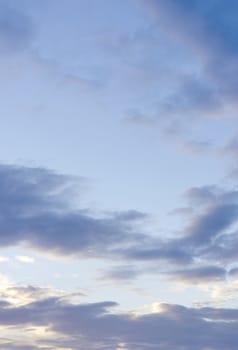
(194, 98)
(215, 212)
(97, 326)
(210, 25)
(233, 175)
(186, 211)
(16, 29)
(202, 195)
(234, 272)
(209, 236)
(224, 248)
(24, 294)
(158, 250)
(196, 147)
(10, 345)
(214, 221)
(130, 215)
(38, 209)
(120, 273)
(206, 31)
(137, 118)
(231, 148)
(196, 275)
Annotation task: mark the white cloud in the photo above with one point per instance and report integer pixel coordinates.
(4, 259)
(25, 259)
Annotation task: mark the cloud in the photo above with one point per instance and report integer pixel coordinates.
(185, 211)
(99, 326)
(208, 241)
(210, 235)
(202, 195)
(16, 30)
(231, 147)
(38, 210)
(203, 86)
(130, 215)
(194, 98)
(210, 27)
(4, 259)
(137, 118)
(25, 259)
(11, 294)
(199, 275)
(196, 147)
(210, 224)
(225, 292)
(120, 273)
(159, 250)
(234, 272)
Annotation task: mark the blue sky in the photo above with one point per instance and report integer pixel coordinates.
(118, 175)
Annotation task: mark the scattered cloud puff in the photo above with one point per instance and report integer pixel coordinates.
(125, 273)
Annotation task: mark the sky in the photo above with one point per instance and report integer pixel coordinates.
(118, 174)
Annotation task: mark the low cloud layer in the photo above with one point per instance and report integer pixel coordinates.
(100, 326)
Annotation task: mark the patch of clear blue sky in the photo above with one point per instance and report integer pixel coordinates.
(88, 67)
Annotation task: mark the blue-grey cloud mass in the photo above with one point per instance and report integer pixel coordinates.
(16, 29)
(100, 326)
(35, 211)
